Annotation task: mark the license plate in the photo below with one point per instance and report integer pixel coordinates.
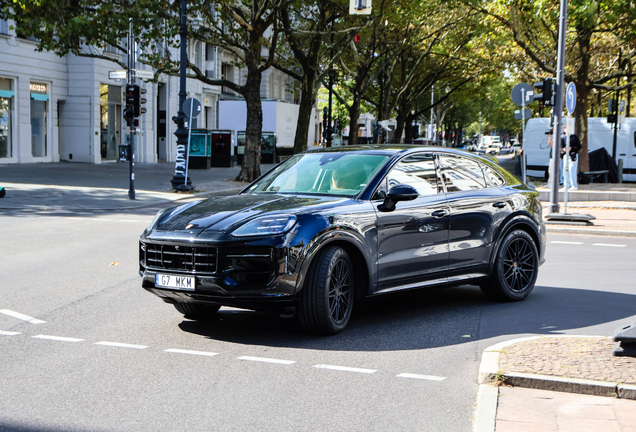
(185, 283)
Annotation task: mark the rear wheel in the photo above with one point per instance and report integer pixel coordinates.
(516, 268)
(327, 297)
(196, 311)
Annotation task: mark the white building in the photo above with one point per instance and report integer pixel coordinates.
(67, 109)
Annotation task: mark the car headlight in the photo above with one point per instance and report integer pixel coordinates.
(156, 219)
(266, 225)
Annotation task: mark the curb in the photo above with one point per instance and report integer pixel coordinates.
(590, 231)
(488, 394)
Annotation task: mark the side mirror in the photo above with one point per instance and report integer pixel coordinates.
(397, 193)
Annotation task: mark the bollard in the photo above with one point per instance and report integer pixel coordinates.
(620, 170)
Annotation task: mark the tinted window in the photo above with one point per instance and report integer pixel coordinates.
(461, 174)
(323, 173)
(492, 176)
(418, 171)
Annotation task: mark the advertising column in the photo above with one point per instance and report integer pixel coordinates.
(39, 111)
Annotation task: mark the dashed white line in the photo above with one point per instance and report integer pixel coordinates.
(566, 242)
(182, 351)
(266, 360)
(346, 369)
(21, 316)
(128, 220)
(609, 245)
(57, 338)
(424, 377)
(8, 333)
(121, 345)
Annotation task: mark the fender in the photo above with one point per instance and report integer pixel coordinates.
(515, 220)
(332, 235)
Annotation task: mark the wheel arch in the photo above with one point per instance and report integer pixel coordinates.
(519, 221)
(357, 251)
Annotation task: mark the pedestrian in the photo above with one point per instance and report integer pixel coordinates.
(573, 159)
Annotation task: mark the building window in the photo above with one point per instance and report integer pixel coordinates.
(4, 27)
(39, 111)
(6, 117)
(110, 123)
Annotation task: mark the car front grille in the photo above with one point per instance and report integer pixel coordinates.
(193, 259)
(243, 266)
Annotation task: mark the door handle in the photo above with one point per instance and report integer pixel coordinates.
(439, 213)
(499, 204)
(622, 154)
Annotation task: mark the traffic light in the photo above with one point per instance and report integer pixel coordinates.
(139, 101)
(129, 111)
(545, 92)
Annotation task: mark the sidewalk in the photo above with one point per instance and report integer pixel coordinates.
(556, 383)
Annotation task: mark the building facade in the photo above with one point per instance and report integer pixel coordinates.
(67, 109)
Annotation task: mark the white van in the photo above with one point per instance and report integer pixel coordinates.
(601, 134)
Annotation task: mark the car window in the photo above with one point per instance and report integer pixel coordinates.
(460, 173)
(493, 178)
(417, 170)
(322, 173)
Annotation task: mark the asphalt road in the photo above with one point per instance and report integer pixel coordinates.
(109, 356)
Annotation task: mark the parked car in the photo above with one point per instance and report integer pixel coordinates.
(329, 227)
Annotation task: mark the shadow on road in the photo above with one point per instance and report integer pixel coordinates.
(428, 319)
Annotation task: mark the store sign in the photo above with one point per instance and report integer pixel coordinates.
(38, 88)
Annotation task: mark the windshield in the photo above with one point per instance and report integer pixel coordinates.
(343, 174)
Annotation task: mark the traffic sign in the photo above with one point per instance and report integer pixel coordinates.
(516, 96)
(144, 74)
(570, 98)
(118, 74)
(621, 106)
(196, 107)
(519, 115)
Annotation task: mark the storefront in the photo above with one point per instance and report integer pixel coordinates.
(39, 119)
(6, 118)
(110, 121)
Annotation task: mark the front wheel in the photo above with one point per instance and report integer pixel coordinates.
(327, 297)
(196, 311)
(516, 268)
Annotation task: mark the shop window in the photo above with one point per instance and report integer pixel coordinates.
(39, 114)
(6, 117)
(109, 120)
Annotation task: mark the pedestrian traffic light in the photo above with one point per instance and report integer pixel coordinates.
(129, 111)
(545, 92)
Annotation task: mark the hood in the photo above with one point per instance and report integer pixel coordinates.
(220, 213)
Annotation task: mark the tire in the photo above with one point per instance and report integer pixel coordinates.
(516, 268)
(327, 298)
(196, 311)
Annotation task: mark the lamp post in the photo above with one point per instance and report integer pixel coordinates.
(180, 181)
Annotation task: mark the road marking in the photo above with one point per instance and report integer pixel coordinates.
(128, 220)
(346, 369)
(424, 377)
(609, 245)
(566, 242)
(266, 360)
(21, 316)
(6, 333)
(181, 351)
(57, 338)
(121, 345)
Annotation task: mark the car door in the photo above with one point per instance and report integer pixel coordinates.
(413, 239)
(477, 208)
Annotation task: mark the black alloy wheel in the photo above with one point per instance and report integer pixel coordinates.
(197, 311)
(327, 297)
(516, 268)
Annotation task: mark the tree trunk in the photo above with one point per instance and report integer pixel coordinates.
(399, 128)
(582, 95)
(251, 167)
(305, 110)
(408, 131)
(354, 115)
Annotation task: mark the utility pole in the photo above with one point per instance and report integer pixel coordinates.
(328, 129)
(615, 107)
(131, 120)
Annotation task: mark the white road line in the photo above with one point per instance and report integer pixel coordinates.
(424, 377)
(128, 220)
(121, 345)
(6, 333)
(566, 242)
(21, 316)
(57, 338)
(609, 245)
(266, 360)
(181, 351)
(346, 369)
